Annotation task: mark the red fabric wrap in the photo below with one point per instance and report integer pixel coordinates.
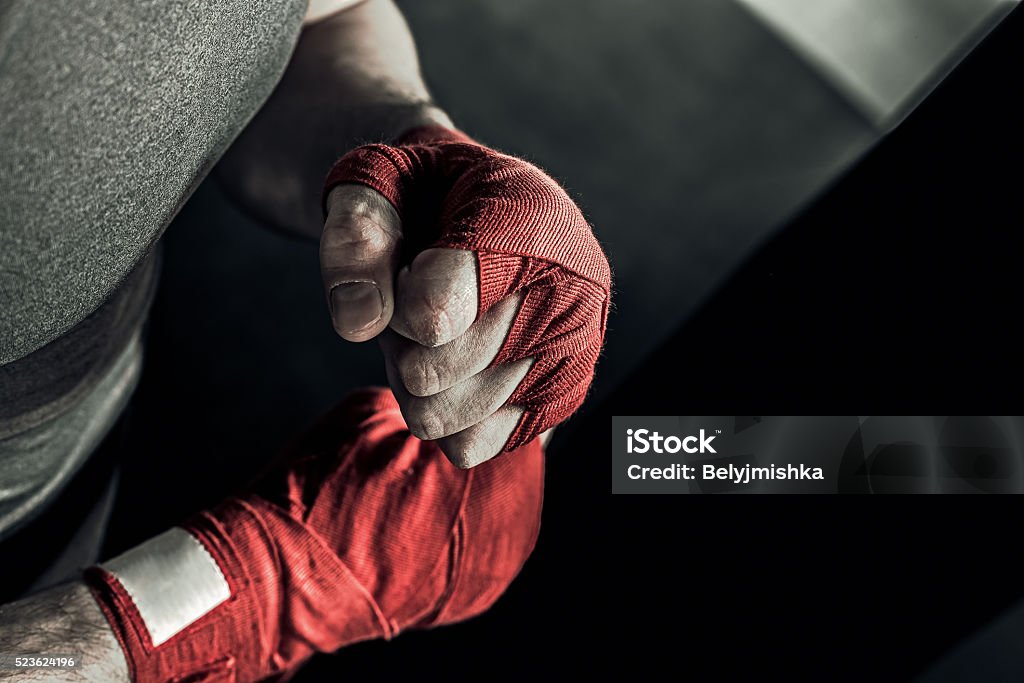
(341, 544)
(528, 237)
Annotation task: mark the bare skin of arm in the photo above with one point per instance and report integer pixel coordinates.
(62, 621)
(354, 78)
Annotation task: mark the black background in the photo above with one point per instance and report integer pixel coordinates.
(897, 293)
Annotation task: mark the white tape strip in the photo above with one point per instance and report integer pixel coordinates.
(172, 580)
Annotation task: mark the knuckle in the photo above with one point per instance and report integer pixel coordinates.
(357, 236)
(428, 318)
(458, 449)
(419, 373)
(424, 421)
(460, 457)
(471, 446)
(439, 296)
(467, 449)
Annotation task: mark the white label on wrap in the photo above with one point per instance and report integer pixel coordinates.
(173, 581)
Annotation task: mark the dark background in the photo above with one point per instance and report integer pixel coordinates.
(689, 134)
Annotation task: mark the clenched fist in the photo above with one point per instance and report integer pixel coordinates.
(479, 276)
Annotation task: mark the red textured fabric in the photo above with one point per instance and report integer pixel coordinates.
(363, 532)
(528, 236)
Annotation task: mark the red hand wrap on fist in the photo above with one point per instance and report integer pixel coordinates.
(339, 545)
(528, 236)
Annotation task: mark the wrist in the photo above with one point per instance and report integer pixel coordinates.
(424, 115)
(386, 121)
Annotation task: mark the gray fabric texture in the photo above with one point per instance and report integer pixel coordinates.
(37, 464)
(111, 114)
(61, 401)
(48, 382)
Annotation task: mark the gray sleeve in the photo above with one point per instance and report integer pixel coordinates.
(112, 112)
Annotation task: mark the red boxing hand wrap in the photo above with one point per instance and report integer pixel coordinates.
(363, 532)
(528, 237)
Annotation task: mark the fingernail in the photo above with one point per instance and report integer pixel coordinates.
(356, 306)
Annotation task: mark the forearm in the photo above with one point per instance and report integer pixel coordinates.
(63, 621)
(354, 78)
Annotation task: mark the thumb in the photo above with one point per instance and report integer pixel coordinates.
(359, 252)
